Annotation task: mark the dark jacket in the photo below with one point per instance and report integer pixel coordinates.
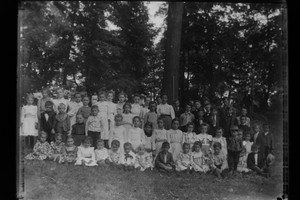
(47, 125)
(251, 160)
(266, 143)
(226, 122)
(235, 144)
(160, 163)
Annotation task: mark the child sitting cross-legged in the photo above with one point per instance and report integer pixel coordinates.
(86, 154)
(69, 151)
(164, 160)
(219, 161)
(101, 153)
(41, 150)
(184, 161)
(57, 147)
(127, 159)
(144, 159)
(114, 154)
(198, 159)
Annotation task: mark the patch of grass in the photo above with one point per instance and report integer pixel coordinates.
(49, 180)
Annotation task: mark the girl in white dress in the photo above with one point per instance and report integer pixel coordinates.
(94, 100)
(175, 138)
(247, 144)
(198, 160)
(112, 110)
(136, 108)
(29, 122)
(159, 136)
(143, 159)
(127, 116)
(222, 140)
(120, 104)
(189, 136)
(103, 113)
(60, 99)
(118, 132)
(73, 109)
(86, 154)
(184, 161)
(101, 153)
(136, 135)
(205, 139)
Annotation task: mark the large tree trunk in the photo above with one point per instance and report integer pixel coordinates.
(171, 71)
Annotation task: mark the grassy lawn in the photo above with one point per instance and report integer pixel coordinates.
(49, 180)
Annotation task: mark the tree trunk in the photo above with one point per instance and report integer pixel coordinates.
(171, 71)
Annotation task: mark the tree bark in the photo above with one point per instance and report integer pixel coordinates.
(171, 71)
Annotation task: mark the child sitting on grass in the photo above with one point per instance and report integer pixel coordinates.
(114, 154)
(205, 139)
(222, 140)
(69, 151)
(164, 160)
(256, 161)
(242, 166)
(218, 161)
(127, 159)
(57, 147)
(184, 162)
(41, 150)
(144, 159)
(101, 153)
(86, 154)
(198, 160)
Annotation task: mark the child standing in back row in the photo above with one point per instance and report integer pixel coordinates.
(93, 127)
(62, 121)
(152, 115)
(85, 110)
(159, 136)
(166, 111)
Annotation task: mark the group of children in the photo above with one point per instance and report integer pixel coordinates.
(145, 136)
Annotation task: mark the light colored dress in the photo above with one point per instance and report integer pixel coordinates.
(144, 161)
(29, 119)
(206, 141)
(114, 157)
(118, 133)
(119, 108)
(149, 143)
(198, 162)
(136, 109)
(184, 161)
(189, 138)
(86, 154)
(56, 103)
(159, 137)
(219, 160)
(73, 109)
(175, 138)
(242, 165)
(223, 142)
(41, 151)
(127, 118)
(136, 137)
(103, 113)
(112, 111)
(101, 154)
(127, 159)
(144, 110)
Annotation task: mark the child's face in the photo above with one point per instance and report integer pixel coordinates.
(147, 100)
(266, 128)
(61, 109)
(244, 111)
(147, 129)
(80, 119)
(30, 101)
(70, 141)
(217, 150)
(197, 105)
(48, 108)
(136, 122)
(243, 120)
(58, 139)
(160, 123)
(110, 96)
(203, 129)
(101, 97)
(256, 129)
(118, 120)
(234, 133)
(207, 107)
(247, 138)
(45, 94)
(87, 144)
(188, 108)
(86, 101)
(219, 133)
(240, 134)
(43, 138)
(136, 100)
(94, 99)
(158, 99)
(100, 145)
(175, 125)
(77, 98)
(177, 103)
(190, 128)
(165, 149)
(186, 149)
(200, 113)
(152, 107)
(127, 109)
(197, 148)
(142, 151)
(164, 99)
(121, 98)
(127, 149)
(114, 148)
(60, 93)
(95, 111)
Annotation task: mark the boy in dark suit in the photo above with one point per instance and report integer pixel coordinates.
(228, 120)
(164, 160)
(246, 129)
(47, 121)
(256, 161)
